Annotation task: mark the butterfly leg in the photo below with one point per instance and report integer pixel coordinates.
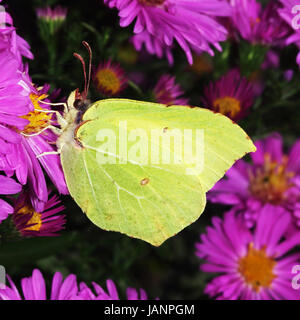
(50, 152)
(47, 154)
(60, 119)
(55, 130)
(64, 104)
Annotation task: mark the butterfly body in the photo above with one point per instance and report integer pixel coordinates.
(70, 120)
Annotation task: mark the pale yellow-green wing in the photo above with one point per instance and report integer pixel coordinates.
(130, 183)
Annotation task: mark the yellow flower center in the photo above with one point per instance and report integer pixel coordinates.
(152, 3)
(227, 106)
(108, 80)
(257, 268)
(38, 119)
(270, 182)
(35, 220)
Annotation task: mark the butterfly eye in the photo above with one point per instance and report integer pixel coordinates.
(78, 104)
(81, 105)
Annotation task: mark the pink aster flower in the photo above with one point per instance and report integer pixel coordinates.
(259, 25)
(288, 14)
(34, 288)
(112, 294)
(36, 139)
(109, 78)
(31, 223)
(52, 18)
(7, 186)
(253, 265)
(49, 14)
(272, 178)
(168, 92)
(231, 95)
(192, 24)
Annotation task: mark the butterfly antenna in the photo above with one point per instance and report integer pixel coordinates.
(87, 46)
(79, 57)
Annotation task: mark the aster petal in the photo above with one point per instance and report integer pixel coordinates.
(279, 228)
(236, 233)
(273, 146)
(112, 290)
(51, 163)
(207, 267)
(294, 159)
(13, 121)
(68, 288)
(35, 173)
(20, 163)
(85, 293)
(285, 290)
(9, 186)
(258, 155)
(38, 285)
(287, 261)
(27, 289)
(208, 7)
(6, 209)
(9, 135)
(8, 294)
(5, 148)
(99, 290)
(14, 105)
(24, 47)
(298, 59)
(217, 247)
(231, 291)
(235, 181)
(271, 225)
(132, 294)
(288, 244)
(56, 284)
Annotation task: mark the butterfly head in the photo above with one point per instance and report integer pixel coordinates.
(81, 103)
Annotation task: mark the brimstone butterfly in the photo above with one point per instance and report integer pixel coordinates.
(130, 192)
